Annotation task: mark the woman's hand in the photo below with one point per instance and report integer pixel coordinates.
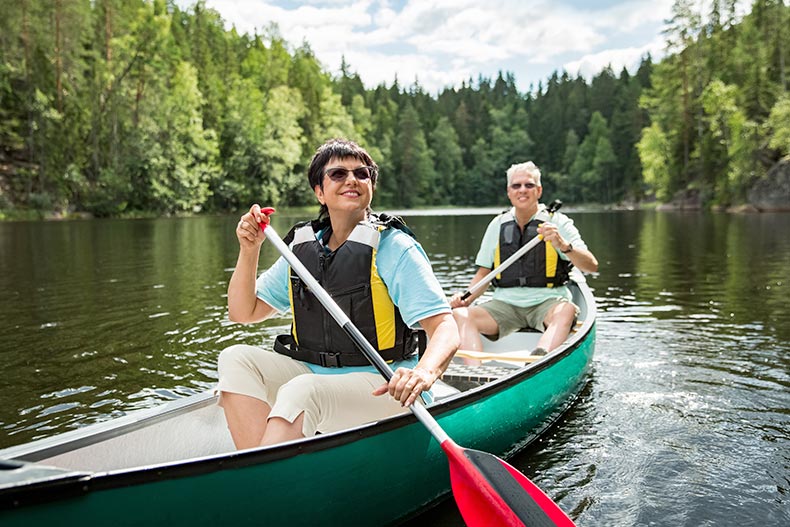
(243, 304)
(248, 230)
(443, 340)
(407, 384)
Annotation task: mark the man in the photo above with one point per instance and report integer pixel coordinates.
(530, 292)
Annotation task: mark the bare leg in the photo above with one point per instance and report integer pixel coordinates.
(472, 321)
(280, 430)
(246, 417)
(558, 325)
(467, 329)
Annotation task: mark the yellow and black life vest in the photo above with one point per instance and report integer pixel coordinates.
(350, 276)
(539, 267)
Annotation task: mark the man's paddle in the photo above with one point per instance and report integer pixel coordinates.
(554, 207)
(488, 491)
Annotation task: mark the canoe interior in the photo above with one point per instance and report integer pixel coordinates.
(189, 436)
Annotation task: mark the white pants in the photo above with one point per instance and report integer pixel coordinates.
(329, 402)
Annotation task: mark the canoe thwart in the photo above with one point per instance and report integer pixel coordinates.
(523, 356)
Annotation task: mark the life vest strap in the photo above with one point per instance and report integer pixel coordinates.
(286, 345)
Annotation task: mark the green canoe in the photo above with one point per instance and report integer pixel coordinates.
(175, 464)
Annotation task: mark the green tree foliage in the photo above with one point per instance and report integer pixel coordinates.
(711, 101)
(180, 159)
(263, 146)
(779, 126)
(413, 165)
(595, 161)
(334, 118)
(282, 149)
(654, 150)
(123, 106)
(449, 164)
(731, 128)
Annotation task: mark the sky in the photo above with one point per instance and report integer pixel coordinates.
(442, 43)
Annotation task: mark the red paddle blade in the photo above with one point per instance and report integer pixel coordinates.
(489, 491)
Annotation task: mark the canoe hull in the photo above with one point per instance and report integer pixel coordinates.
(375, 474)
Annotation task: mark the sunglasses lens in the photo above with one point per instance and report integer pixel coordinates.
(362, 173)
(337, 174)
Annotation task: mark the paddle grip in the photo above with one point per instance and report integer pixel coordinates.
(268, 211)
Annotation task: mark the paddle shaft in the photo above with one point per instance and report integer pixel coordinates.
(554, 207)
(351, 330)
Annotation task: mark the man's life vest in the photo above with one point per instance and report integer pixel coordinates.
(539, 267)
(350, 276)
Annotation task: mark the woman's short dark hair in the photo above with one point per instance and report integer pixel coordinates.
(340, 149)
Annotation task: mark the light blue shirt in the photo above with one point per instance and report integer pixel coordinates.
(528, 296)
(405, 270)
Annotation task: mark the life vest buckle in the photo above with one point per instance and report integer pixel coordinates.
(329, 359)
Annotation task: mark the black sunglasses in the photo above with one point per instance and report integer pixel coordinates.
(528, 186)
(340, 173)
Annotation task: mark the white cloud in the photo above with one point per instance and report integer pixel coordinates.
(631, 16)
(589, 65)
(384, 16)
(446, 42)
(408, 68)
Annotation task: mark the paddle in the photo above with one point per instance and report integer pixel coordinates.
(488, 491)
(554, 207)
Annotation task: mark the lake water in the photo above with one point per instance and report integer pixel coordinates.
(685, 420)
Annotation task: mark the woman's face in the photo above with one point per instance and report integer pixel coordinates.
(345, 187)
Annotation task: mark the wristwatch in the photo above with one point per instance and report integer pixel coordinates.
(569, 249)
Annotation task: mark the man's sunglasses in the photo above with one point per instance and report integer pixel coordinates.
(528, 186)
(340, 173)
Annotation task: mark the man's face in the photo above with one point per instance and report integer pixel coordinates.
(523, 191)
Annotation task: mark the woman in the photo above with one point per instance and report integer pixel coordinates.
(316, 381)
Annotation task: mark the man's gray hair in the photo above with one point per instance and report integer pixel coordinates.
(528, 168)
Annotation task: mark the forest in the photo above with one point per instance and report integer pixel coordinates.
(125, 107)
